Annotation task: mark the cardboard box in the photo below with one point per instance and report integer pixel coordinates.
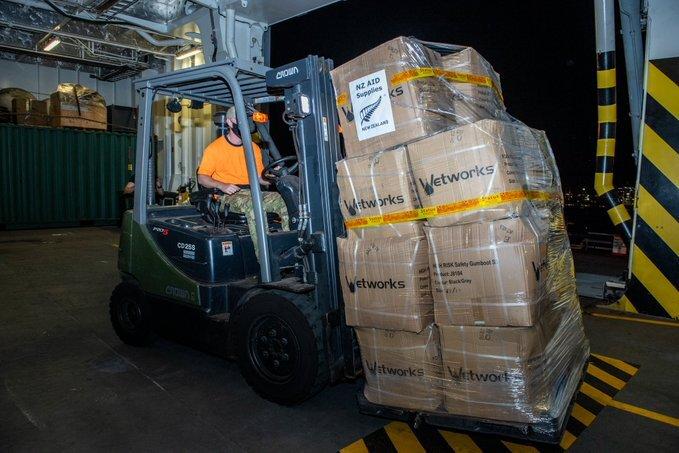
(74, 105)
(402, 369)
(122, 119)
(481, 96)
(517, 374)
(381, 105)
(458, 167)
(385, 282)
(30, 112)
(375, 184)
(489, 273)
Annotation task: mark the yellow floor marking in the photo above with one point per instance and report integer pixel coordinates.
(628, 318)
(598, 396)
(357, 447)
(403, 437)
(518, 448)
(607, 378)
(629, 306)
(619, 364)
(582, 415)
(657, 416)
(461, 443)
(567, 440)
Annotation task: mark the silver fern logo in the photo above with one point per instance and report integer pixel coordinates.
(367, 112)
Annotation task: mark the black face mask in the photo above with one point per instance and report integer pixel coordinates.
(236, 130)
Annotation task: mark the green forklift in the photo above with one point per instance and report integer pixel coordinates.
(281, 317)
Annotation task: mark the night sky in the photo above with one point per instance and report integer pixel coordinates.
(544, 52)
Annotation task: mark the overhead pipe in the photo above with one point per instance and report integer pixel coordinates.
(604, 16)
(231, 33)
(129, 20)
(64, 34)
(62, 57)
(162, 42)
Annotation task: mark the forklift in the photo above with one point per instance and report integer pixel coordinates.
(281, 317)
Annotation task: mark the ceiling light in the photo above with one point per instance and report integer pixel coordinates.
(52, 44)
(188, 53)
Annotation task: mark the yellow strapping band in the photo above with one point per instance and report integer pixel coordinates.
(447, 209)
(424, 71)
(453, 76)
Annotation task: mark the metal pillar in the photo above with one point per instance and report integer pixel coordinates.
(144, 184)
(253, 176)
(604, 15)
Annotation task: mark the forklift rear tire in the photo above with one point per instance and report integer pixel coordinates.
(280, 349)
(130, 315)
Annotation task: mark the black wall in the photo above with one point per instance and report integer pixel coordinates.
(543, 50)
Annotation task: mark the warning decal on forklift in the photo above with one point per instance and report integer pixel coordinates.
(370, 99)
(227, 248)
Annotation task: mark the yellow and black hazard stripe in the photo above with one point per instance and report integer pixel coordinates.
(605, 146)
(653, 288)
(604, 378)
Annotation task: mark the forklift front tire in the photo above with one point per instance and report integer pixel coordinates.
(280, 350)
(130, 315)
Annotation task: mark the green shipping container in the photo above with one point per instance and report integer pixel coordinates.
(62, 177)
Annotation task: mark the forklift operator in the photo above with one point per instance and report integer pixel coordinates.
(224, 167)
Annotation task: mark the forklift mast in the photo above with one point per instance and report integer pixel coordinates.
(310, 112)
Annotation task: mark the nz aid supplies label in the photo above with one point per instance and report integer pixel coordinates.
(371, 105)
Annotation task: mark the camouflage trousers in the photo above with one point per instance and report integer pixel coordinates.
(241, 201)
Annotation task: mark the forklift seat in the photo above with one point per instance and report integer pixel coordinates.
(201, 199)
(238, 218)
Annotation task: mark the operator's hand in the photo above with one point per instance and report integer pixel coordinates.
(229, 189)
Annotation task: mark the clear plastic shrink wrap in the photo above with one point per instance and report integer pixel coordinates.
(514, 374)
(401, 90)
(489, 273)
(383, 101)
(479, 171)
(385, 282)
(473, 101)
(402, 369)
(378, 184)
(456, 271)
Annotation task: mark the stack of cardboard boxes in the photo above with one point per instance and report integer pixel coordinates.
(73, 105)
(455, 270)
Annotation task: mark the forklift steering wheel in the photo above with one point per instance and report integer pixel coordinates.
(270, 170)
